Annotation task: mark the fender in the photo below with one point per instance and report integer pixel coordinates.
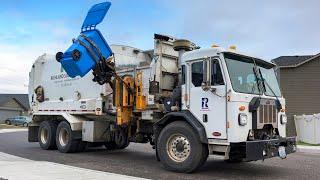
(185, 116)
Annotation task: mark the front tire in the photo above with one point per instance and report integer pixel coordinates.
(8, 122)
(47, 134)
(180, 149)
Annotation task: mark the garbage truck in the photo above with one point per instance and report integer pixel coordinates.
(187, 102)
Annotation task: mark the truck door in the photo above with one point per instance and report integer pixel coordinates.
(209, 106)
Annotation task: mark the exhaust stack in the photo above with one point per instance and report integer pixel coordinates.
(182, 45)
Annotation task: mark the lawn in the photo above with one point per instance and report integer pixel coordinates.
(306, 144)
(5, 126)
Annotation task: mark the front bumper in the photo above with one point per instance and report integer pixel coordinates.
(262, 149)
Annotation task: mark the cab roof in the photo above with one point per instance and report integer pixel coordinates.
(216, 51)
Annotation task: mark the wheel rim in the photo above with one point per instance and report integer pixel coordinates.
(178, 147)
(44, 135)
(63, 137)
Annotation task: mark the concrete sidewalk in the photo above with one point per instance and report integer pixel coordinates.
(308, 149)
(16, 168)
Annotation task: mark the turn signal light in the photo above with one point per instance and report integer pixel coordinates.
(242, 108)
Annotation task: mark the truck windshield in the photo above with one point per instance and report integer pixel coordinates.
(244, 80)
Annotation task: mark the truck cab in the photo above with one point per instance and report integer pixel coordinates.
(237, 99)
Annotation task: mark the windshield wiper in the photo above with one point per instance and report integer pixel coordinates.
(259, 80)
(279, 106)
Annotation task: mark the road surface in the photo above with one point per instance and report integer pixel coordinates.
(139, 160)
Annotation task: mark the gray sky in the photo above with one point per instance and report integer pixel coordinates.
(266, 29)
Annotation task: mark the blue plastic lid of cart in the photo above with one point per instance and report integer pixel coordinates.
(96, 14)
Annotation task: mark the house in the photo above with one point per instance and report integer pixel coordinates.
(299, 79)
(13, 105)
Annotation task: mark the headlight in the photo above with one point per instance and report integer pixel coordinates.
(243, 119)
(283, 119)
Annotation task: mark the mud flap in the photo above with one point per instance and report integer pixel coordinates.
(33, 133)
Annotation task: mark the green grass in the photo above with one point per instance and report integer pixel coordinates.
(306, 144)
(5, 126)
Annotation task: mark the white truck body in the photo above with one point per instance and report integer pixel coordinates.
(87, 106)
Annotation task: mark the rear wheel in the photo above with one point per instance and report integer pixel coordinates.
(66, 143)
(234, 160)
(47, 134)
(111, 145)
(25, 124)
(8, 122)
(120, 140)
(180, 149)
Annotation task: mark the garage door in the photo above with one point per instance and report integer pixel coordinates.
(5, 114)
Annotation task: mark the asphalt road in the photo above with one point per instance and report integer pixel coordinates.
(139, 160)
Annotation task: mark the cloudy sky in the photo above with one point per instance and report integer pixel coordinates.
(267, 29)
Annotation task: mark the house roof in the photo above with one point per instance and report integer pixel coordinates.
(22, 99)
(293, 61)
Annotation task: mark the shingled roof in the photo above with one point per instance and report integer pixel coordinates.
(290, 60)
(22, 99)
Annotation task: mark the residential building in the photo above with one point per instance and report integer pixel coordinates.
(299, 79)
(13, 105)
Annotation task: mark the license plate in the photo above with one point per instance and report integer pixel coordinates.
(282, 152)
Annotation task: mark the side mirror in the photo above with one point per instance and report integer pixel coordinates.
(206, 75)
(213, 89)
(205, 86)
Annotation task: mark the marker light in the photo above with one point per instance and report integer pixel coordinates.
(233, 48)
(242, 108)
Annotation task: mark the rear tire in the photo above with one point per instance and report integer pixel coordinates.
(65, 140)
(82, 146)
(25, 124)
(8, 122)
(111, 145)
(234, 160)
(47, 134)
(180, 149)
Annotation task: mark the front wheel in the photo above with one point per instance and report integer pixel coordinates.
(8, 122)
(180, 149)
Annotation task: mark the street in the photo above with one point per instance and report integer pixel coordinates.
(139, 160)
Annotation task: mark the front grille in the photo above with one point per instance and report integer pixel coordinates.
(267, 113)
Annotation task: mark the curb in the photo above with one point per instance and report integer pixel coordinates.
(12, 130)
(309, 149)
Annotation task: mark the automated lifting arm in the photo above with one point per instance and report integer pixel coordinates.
(90, 51)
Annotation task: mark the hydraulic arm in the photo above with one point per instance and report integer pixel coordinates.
(90, 51)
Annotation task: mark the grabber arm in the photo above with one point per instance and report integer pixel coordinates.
(105, 71)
